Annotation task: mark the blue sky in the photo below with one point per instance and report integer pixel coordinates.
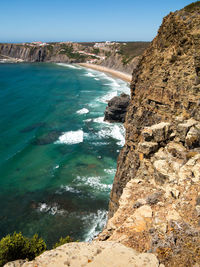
(83, 20)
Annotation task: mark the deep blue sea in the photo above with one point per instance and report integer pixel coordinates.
(57, 156)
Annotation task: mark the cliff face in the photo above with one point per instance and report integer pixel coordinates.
(32, 53)
(155, 201)
(76, 53)
(165, 84)
(115, 62)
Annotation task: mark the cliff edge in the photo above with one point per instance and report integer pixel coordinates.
(155, 199)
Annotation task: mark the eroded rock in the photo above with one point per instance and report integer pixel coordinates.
(116, 109)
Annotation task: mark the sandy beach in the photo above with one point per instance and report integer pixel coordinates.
(121, 75)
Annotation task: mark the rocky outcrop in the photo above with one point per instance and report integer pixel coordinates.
(154, 203)
(95, 254)
(116, 109)
(159, 207)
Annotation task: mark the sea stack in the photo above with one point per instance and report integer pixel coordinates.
(116, 109)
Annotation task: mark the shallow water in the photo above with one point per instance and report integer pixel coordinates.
(57, 156)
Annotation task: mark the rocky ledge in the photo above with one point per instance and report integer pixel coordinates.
(95, 254)
(117, 108)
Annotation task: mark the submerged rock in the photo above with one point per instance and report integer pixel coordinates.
(47, 138)
(116, 109)
(32, 127)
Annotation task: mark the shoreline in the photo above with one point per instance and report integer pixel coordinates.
(118, 74)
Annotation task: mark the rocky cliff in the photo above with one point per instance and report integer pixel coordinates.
(121, 57)
(155, 200)
(52, 52)
(115, 61)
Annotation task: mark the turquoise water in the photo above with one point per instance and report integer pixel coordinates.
(57, 156)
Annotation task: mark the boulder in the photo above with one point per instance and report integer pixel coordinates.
(183, 128)
(157, 132)
(193, 137)
(147, 147)
(116, 109)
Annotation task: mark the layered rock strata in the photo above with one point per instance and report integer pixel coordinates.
(154, 202)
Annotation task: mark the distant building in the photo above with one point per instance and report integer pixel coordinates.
(98, 45)
(39, 43)
(106, 43)
(91, 61)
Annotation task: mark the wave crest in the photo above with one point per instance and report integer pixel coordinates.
(71, 137)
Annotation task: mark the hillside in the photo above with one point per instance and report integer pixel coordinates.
(120, 56)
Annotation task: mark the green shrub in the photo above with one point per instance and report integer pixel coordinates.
(108, 53)
(16, 246)
(126, 60)
(96, 51)
(63, 241)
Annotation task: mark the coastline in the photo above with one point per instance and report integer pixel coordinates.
(121, 75)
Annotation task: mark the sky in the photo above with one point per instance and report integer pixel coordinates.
(83, 20)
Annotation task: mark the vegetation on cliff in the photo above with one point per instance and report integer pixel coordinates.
(16, 246)
(130, 50)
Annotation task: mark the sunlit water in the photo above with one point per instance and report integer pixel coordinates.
(57, 156)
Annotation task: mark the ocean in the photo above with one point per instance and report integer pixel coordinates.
(57, 155)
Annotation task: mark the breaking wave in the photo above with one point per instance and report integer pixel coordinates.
(71, 137)
(97, 222)
(117, 132)
(83, 111)
(68, 65)
(54, 209)
(94, 182)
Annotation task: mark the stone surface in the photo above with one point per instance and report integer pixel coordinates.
(157, 132)
(96, 254)
(147, 147)
(193, 137)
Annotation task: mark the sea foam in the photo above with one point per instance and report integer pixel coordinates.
(68, 65)
(94, 182)
(98, 221)
(82, 111)
(54, 209)
(71, 137)
(66, 188)
(117, 132)
(89, 74)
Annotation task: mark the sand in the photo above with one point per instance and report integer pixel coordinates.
(121, 75)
